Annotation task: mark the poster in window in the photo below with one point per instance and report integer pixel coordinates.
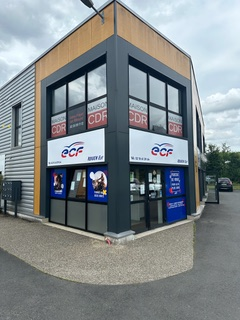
(58, 183)
(98, 184)
(138, 114)
(58, 125)
(175, 125)
(176, 209)
(76, 120)
(97, 113)
(78, 185)
(175, 184)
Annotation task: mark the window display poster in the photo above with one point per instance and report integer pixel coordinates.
(175, 125)
(176, 209)
(138, 114)
(175, 183)
(76, 120)
(97, 113)
(78, 185)
(58, 125)
(97, 184)
(58, 183)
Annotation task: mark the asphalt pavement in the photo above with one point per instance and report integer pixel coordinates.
(210, 290)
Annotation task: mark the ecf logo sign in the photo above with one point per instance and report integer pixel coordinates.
(73, 150)
(163, 150)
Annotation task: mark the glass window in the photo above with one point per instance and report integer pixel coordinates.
(155, 183)
(58, 125)
(156, 212)
(78, 185)
(157, 92)
(97, 113)
(59, 100)
(175, 125)
(97, 84)
(137, 184)
(138, 114)
(137, 83)
(76, 91)
(17, 126)
(173, 99)
(157, 120)
(77, 120)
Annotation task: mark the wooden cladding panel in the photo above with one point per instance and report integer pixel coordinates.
(142, 36)
(80, 41)
(37, 180)
(37, 144)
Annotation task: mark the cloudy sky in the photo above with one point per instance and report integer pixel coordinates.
(208, 30)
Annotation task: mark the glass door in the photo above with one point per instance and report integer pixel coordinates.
(146, 198)
(138, 198)
(155, 210)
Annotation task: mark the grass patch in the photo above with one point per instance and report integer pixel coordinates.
(236, 186)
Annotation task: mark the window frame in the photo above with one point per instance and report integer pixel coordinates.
(153, 74)
(17, 125)
(84, 126)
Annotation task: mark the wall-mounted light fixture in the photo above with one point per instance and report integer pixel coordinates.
(90, 4)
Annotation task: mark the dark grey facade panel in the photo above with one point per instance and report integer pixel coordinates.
(19, 161)
(127, 49)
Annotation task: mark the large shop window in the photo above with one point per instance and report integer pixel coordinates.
(154, 105)
(79, 197)
(80, 104)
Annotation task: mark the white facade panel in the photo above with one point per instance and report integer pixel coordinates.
(19, 161)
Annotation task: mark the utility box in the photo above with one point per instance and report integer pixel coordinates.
(11, 190)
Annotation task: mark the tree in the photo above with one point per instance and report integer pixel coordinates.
(223, 163)
(214, 161)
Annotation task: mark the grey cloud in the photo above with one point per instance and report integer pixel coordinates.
(219, 102)
(223, 127)
(36, 21)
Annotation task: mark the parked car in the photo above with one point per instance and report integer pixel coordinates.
(225, 184)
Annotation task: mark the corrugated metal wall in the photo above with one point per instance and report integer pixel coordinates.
(19, 161)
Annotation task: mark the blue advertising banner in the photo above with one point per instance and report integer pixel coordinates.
(58, 183)
(176, 209)
(97, 184)
(175, 182)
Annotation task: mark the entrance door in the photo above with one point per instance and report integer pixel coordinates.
(146, 198)
(154, 208)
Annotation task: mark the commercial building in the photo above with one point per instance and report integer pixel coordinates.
(105, 129)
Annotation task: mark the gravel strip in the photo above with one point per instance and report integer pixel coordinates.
(82, 259)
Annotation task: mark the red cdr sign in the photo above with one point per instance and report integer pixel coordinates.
(58, 125)
(97, 114)
(138, 115)
(175, 125)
